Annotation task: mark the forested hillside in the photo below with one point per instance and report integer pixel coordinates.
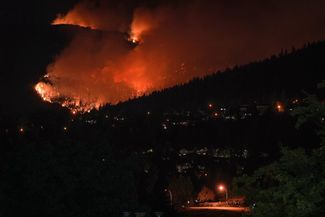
(279, 77)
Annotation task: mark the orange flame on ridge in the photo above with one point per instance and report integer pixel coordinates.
(46, 91)
(75, 105)
(72, 18)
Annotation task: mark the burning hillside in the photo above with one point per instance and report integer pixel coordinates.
(142, 48)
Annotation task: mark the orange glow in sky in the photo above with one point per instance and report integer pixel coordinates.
(138, 50)
(73, 18)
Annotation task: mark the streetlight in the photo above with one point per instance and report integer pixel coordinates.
(223, 188)
(279, 107)
(170, 196)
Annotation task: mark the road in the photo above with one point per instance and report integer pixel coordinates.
(213, 211)
(223, 208)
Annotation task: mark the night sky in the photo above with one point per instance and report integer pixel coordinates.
(205, 35)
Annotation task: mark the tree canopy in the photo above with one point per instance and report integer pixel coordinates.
(294, 185)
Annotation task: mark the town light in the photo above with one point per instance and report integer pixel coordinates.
(223, 188)
(170, 196)
(279, 107)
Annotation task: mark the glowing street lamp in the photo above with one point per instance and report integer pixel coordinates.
(279, 107)
(170, 196)
(222, 188)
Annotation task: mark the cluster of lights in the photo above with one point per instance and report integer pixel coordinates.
(22, 130)
(211, 106)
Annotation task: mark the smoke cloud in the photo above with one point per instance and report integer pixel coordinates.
(144, 47)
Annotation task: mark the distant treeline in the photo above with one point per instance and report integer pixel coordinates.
(279, 77)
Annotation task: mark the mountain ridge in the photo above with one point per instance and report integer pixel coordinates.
(283, 76)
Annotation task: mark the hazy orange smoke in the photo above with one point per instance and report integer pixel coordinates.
(73, 18)
(151, 48)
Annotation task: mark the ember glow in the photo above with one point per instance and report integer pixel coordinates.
(78, 16)
(72, 19)
(46, 91)
(126, 52)
(75, 104)
(144, 21)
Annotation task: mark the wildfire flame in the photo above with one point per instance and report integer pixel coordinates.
(49, 94)
(46, 91)
(130, 74)
(72, 19)
(166, 45)
(139, 27)
(77, 16)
